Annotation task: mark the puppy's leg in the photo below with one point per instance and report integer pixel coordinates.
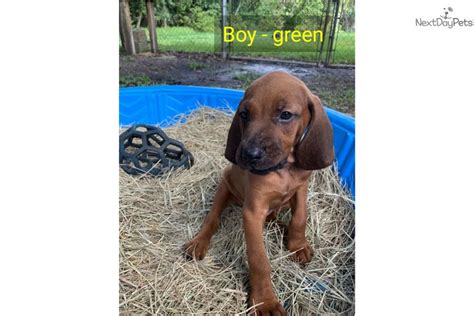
(261, 291)
(197, 247)
(296, 229)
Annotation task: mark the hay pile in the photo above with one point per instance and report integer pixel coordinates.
(157, 216)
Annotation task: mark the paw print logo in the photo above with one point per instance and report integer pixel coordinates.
(446, 12)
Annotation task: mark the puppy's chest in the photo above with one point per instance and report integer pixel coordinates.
(282, 188)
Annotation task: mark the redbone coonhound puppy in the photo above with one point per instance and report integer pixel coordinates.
(280, 132)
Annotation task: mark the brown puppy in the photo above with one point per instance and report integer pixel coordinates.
(280, 132)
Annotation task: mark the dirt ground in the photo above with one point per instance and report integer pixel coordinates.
(335, 86)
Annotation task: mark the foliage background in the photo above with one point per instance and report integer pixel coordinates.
(190, 26)
(200, 14)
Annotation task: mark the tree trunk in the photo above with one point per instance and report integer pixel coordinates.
(122, 40)
(126, 27)
(139, 20)
(150, 16)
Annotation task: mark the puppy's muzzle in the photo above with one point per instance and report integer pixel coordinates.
(257, 159)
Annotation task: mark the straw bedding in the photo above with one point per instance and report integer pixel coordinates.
(158, 215)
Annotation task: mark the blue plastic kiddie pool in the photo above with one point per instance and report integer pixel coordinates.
(160, 104)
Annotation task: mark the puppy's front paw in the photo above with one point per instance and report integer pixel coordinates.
(304, 252)
(265, 305)
(196, 248)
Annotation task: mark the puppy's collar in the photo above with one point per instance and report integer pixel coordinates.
(306, 129)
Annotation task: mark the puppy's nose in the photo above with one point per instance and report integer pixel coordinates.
(253, 153)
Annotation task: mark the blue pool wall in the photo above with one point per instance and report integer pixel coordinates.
(159, 105)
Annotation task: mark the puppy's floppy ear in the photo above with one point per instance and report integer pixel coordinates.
(233, 139)
(316, 150)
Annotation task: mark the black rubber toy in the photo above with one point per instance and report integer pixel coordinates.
(147, 149)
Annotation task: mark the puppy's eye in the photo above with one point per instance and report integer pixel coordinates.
(286, 116)
(244, 115)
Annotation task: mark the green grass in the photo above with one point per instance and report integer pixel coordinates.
(185, 39)
(194, 65)
(135, 81)
(345, 48)
(246, 78)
